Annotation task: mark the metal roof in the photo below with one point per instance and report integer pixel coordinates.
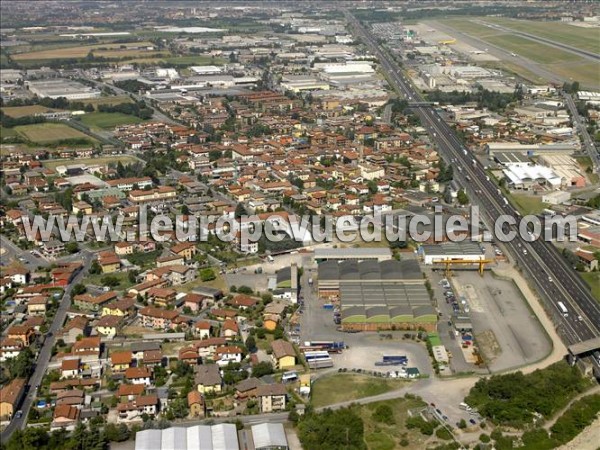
(269, 435)
(199, 437)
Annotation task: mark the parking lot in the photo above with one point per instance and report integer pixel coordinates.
(365, 348)
(506, 331)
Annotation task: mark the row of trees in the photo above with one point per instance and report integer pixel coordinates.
(494, 101)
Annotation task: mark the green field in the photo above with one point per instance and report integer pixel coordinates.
(593, 280)
(46, 133)
(583, 38)
(350, 386)
(541, 53)
(528, 204)
(108, 120)
(192, 60)
(114, 100)
(561, 62)
(7, 132)
(22, 111)
(125, 159)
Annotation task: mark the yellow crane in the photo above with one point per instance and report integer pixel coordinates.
(448, 262)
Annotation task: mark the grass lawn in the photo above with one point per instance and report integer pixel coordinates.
(108, 120)
(46, 133)
(96, 280)
(585, 72)
(528, 204)
(342, 387)
(593, 280)
(217, 283)
(198, 60)
(583, 38)
(22, 111)
(532, 50)
(7, 132)
(115, 100)
(80, 51)
(125, 159)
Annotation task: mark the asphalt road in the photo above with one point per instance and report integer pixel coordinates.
(539, 260)
(12, 250)
(588, 143)
(45, 353)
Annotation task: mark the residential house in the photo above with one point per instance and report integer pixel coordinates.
(109, 261)
(271, 397)
(37, 305)
(10, 348)
(189, 355)
(128, 392)
(152, 358)
(196, 405)
(201, 329)
(284, 355)
(69, 368)
(10, 396)
(87, 346)
(243, 302)
(229, 354)
(121, 360)
(122, 308)
(208, 347)
(94, 303)
(162, 297)
(179, 274)
(65, 416)
(23, 333)
(247, 388)
(108, 326)
(170, 261)
(187, 250)
(143, 404)
(229, 329)
(76, 327)
(138, 375)
(195, 302)
(208, 378)
(157, 318)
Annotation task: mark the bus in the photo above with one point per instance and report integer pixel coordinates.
(563, 309)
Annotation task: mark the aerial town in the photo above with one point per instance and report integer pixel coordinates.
(339, 225)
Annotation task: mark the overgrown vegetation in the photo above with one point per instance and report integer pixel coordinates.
(494, 101)
(514, 399)
(341, 429)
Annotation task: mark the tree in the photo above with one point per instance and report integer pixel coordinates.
(384, 414)
(72, 247)
(78, 289)
(245, 290)
(240, 210)
(462, 197)
(251, 344)
(332, 430)
(110, 281)
(262, 368)
(95, 268)
(116, 433)
(207, 274)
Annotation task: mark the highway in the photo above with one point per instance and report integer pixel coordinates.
(539, 260)
(588, 143)
(44, 355)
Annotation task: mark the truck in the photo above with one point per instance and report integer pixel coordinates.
(328, 306)
(310, 281)
(393, 360)
(329, 346)
(563, 309)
